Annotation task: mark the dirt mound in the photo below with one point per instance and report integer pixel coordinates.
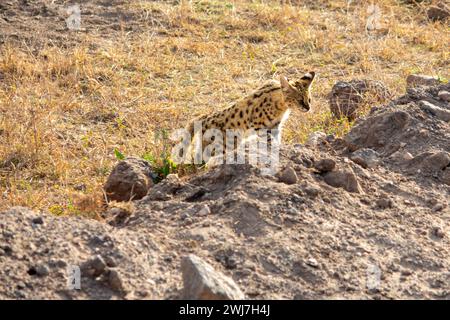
(412, 134)
(367, 218)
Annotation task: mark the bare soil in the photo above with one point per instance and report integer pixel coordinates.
(306, 240)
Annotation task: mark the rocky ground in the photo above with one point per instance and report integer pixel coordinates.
(366, 217)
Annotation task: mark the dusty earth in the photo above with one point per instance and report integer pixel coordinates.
(366, 217)
(40, 22)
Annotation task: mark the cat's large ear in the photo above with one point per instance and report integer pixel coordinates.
(285, 85)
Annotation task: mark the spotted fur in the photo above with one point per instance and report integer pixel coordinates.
(266, 108)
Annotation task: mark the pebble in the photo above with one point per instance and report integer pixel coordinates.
(438, 232)
(384, 203)
(204, 211)
(444, 95)
(325, 165)
(289, 176)
(312, 262)
(115, 280)
(37, 220)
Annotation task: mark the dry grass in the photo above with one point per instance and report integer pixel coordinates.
(65, 111)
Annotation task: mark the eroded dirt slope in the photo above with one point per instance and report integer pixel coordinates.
(362, 217)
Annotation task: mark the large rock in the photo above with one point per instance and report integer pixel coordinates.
(288, 176)
(129, 180)
(439, 12)
(379, 131)
(347, 98)
(202, 282)
(435, 161)
(316, 138)
(416, 80)
(444, 95)
(325, 165)
(446, 176)
(429, 163)
(440, 113)
(94, 267)
(343, 178)
(365, 157)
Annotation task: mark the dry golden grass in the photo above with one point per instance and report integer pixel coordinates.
(65, 111)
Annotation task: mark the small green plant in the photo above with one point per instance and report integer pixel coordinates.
(163, 165)
(442, 79)
(119, 155)
(56, 210)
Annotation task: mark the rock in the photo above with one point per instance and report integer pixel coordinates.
(37, 220)
(228, 258)
(325, 165)
(312, 191)
(439, 112)
(438, 207)
(378, 131)
(344, 178)
(117, 216)
(446, 176)
(440, 12)
(288, 176)
(60, 263)
(110, 262)
(384, 203)
(365, 157)
(416, 80)
(129, 180)
(40, 270)
(172, 177)
(204, 211)
(346, 98)
(21, 285)
(312, 263)
(437, 232)
(94, 267)
(185, 216)
(444, 95)
(316, 138)
(401, 156)
(436, 161)
(202, 282)
(115, 280)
